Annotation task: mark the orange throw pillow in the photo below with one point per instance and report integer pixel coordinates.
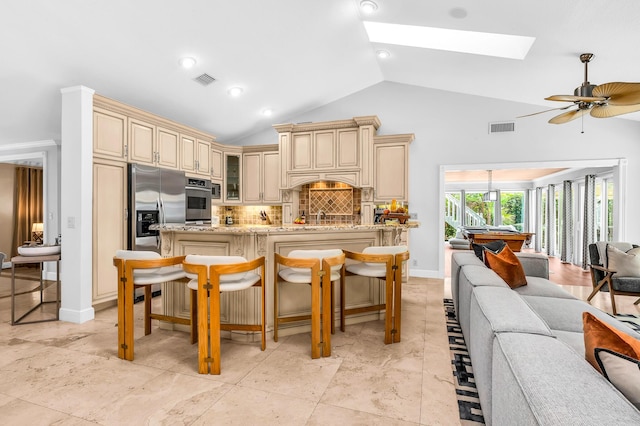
(599, 334)
(507, 265)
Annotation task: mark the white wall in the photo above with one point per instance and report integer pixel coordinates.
(452, 128)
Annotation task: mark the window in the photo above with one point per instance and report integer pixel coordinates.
(512, 207)
(479, 213)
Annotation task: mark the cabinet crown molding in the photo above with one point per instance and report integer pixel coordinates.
(103, 102)
(329, 125)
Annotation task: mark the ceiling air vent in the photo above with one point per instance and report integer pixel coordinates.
(205, 79)
(506, 126)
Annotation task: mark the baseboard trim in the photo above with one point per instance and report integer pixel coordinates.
(77, 317)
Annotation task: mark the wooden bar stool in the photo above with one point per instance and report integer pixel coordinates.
(319, 269)
(143, 269)
(212, 275)
(384, 263)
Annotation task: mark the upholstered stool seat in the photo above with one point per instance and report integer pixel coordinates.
(210, 276)
(142, 269)
(384, 263)
(319, 269)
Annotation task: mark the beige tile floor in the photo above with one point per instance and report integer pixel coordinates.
(69, 374)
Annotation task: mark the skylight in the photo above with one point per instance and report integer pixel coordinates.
(500, 45)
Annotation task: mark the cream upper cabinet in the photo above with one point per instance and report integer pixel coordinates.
(338, 150)
(195, 156)
(110, 212)
(301, 150)
(142, 138)
(348, 149)
(217, 170)
(188, 154)
(153, 145)
(324, 149)
(391, 167)
(252, 177)
(109, 134)
(203, 157)
(271, 177)
(167, 149)
(261, 177)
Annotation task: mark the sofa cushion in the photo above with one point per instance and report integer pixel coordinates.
(472, 276)
(598, 334)
(626, 264)
(496, 310)
(566, 314)
(541, 381)
(507, 266)
(457, 261)
(622, 371)
(534, 264)
(542, 287)
(572, 339)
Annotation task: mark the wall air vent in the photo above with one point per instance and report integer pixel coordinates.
(505, 126)
(205, 79)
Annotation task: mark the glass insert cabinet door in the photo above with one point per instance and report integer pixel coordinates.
(233, 178)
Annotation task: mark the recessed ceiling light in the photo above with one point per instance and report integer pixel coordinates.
(383, 54)
(500, 45)
(235, 91)
(187, 62)
(368, 6)
(458, 12)
(267, 112)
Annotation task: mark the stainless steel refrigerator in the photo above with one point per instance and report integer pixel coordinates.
(155, 196)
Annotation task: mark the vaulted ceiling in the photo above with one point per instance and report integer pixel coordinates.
(288, 55)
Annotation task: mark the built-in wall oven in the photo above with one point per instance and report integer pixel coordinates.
(198, 206)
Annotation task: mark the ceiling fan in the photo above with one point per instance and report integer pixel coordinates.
(603, 101)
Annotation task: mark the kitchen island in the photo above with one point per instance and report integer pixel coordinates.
(252, 241)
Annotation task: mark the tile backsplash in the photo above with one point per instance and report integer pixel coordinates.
(344, 197)
(248, 215)
(326, 194)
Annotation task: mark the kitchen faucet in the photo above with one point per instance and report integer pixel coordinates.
(320, 215)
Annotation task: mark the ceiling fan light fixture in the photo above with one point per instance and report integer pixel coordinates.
(368, 6)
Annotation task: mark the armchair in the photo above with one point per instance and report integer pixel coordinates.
(605, 279)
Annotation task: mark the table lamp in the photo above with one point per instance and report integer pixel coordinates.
(37, 233)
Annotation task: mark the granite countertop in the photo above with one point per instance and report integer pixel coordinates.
(266, 229)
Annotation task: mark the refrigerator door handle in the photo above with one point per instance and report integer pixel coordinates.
(163, 221)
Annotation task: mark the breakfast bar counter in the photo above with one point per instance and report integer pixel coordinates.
(252, 241)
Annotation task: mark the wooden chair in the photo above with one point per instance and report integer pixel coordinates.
(319, 269)
(606, 280)
(143, 269)
(384, 263)
(212, 275)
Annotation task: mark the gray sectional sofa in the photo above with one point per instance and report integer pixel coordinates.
(527, 348)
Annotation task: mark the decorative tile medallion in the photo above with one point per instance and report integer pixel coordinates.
(332, 201)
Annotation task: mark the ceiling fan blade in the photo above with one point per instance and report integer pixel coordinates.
(546, 110)
(572, 98)
(568, 116)
(619, 93)
(606, 111)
